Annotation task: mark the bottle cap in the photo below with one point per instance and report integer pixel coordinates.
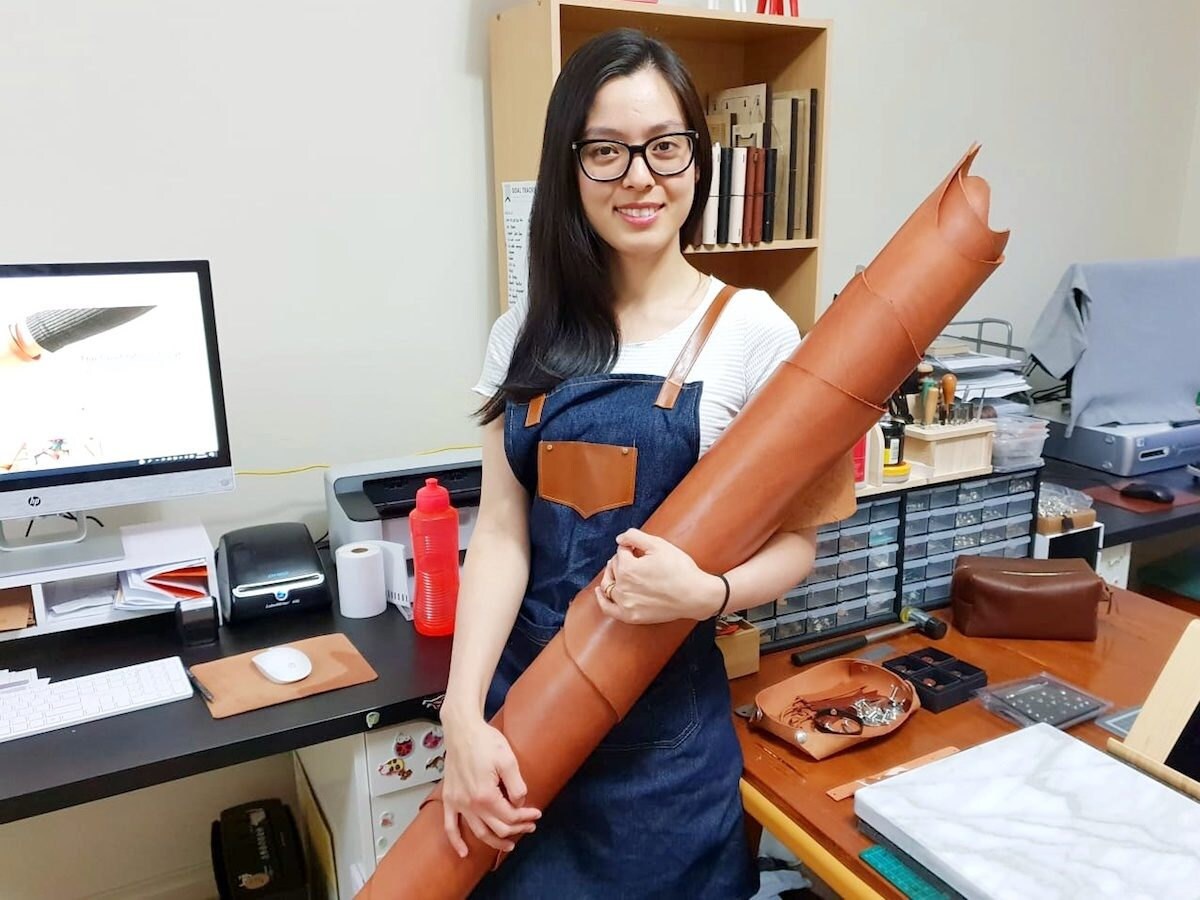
(433, 498)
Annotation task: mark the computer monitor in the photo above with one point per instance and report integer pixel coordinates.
(110, 394)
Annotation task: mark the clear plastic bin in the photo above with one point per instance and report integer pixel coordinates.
(993, 550)
(937, 590)
(940, 543)
(827, 545)
(881, 582)
(967, 516)
(854, 611)
(994, 509)
(823, 622)
(882, 533)
(996, 487)
(918, 523)
(766, 631)
(881, 604)
(913, 595)
(939, 566)
(971, 492)
(1011, 450)
(1021, 504)
(823, 595)
(968, 538)
(853, 563)
(1019, 484)
(1018, 527)
(941, 497)
(882, 557)
(792, 601)
(914, 572)
(881, 510)
(943, 520)
(851, 588)
(1018, 549)
(917, 501)
(791, 625)
(761, 612)
(854, 538)
(992, 532)
(915, 547)
(822, 570)
(861, 516)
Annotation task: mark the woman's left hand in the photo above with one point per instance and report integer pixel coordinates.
(650, 580)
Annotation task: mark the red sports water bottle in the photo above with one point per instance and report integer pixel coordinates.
(434, 525)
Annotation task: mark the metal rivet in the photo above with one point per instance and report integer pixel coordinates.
(624, 451)
(549, 447)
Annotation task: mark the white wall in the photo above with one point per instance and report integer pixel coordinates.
(1189, 220)
(1084, 109)
(332, 160)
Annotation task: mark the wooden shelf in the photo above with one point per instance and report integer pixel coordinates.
(530, 42)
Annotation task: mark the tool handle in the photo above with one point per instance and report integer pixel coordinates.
(949, 386)
(825, 651)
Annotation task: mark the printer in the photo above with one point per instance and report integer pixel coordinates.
(1120, 449)
(370, 501)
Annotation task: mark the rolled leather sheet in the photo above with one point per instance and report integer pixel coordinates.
(809, 414)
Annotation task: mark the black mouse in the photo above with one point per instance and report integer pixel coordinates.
(1144, 490)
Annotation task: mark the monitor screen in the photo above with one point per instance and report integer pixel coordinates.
(108, 371)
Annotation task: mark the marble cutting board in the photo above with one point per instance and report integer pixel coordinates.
(1040, 814)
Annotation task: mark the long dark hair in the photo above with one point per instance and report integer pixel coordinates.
(570, 327)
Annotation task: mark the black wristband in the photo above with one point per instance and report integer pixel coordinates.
(725, 602)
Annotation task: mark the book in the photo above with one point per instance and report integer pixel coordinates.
(725, 185)
(759, 167)
(708, 227)
(770, 179)
(748, 204)
(783, 141)
(737, 194)
(811, 188)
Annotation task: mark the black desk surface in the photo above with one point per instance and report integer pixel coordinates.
(62, 768)
(1120, 525)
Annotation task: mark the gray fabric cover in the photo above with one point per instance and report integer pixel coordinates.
(1131, 332)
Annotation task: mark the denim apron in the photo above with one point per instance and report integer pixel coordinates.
(655, 811)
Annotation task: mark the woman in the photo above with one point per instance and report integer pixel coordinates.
(578, 449)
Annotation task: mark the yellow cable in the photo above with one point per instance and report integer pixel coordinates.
(445, 449)
(283, 471)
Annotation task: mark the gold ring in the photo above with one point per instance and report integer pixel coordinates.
(608, 589)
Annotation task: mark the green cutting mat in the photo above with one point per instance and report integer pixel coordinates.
(887, 864)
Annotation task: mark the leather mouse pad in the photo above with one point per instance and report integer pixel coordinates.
(237, 686)
(1113, 497)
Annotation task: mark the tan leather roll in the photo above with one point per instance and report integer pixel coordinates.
(807, 416)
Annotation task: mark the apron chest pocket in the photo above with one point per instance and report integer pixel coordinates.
(589, 478)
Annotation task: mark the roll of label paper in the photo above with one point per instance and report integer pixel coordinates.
(362, 591)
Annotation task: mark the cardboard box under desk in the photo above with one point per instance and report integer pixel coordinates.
(740, 649)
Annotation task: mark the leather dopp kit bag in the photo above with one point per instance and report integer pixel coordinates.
(1040, 599)
(834, 705)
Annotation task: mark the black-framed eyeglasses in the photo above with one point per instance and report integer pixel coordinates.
(608, 160)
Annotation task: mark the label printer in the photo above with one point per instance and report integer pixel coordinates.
(370, 501)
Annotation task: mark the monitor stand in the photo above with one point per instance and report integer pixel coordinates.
(59, 551)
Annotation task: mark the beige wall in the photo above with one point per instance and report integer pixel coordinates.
(1189, 219)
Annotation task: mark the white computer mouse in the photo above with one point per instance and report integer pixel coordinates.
(282, 665)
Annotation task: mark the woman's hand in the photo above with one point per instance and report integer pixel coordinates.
(483, 785)
(650, 580)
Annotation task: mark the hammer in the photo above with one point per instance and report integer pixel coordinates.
(911, 619)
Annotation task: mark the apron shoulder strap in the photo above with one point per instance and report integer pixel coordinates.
(679, 371)
(691, 350)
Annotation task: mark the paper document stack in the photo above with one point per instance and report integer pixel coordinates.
(158, 587)
(12, 682)
(983, 375)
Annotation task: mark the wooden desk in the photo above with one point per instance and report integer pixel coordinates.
(785, 791)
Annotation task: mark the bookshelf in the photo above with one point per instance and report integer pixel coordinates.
(721, 49)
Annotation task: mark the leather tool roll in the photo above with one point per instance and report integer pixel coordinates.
(799, 425)
(1042, 599)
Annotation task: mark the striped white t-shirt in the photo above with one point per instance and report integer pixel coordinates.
(750, 339)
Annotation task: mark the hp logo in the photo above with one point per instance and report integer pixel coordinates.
(34, 501)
